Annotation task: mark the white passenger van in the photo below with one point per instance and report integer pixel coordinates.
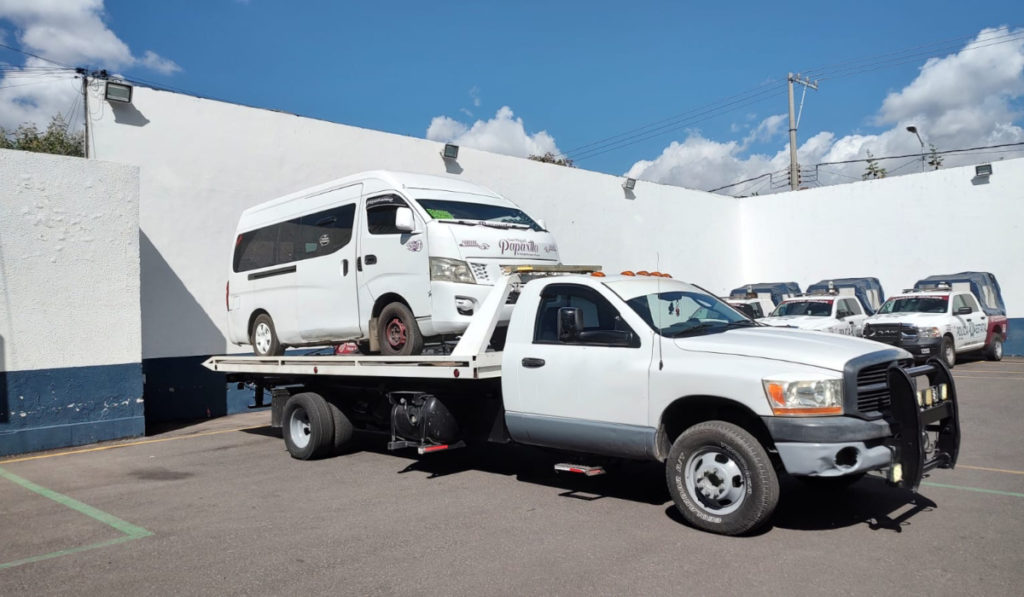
(381, 258)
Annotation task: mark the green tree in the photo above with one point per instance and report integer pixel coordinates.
(550, 158)
(873, 170)
(56, 139)
(934, 159)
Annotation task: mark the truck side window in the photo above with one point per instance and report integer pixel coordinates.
(958, 301)
(598, 313)
(970, 302)
(853, 307)
(324, 232)
(380, 214)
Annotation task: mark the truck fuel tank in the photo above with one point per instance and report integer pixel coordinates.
(422, 417)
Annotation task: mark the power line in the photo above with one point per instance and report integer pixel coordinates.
(20, 51)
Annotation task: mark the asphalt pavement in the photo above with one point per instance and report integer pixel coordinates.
(220, 508)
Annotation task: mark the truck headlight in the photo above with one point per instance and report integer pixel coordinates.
(443, 269)
(805, 397)
(928, 333)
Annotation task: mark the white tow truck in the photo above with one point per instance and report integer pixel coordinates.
(634, 367)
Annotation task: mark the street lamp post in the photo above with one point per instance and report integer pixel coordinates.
(913, 129)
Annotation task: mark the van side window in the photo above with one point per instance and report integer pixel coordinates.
(326, 231)
(256, 249)
(380, 214)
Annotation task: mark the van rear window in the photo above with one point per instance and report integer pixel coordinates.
(312, 235)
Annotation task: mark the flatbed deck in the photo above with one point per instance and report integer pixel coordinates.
(480, 366)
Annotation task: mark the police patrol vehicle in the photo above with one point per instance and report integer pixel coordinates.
(759, 300)
(839, 306)
(944, 316)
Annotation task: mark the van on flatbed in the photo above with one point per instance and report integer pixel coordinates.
(637, 368)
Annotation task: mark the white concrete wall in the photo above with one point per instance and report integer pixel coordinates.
(69, 262)
(898, 229)
(202, 162)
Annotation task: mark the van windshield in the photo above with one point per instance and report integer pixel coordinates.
(497, 215)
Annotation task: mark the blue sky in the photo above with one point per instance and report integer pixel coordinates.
(532, 76)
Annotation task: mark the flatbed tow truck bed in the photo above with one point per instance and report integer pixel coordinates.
(485, 365)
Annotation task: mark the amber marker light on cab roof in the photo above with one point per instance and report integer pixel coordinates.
(628, 273)
(597, 274)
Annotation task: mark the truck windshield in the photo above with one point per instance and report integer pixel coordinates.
(498, 215)
(813, 308)
(915, 304)
(680, 313)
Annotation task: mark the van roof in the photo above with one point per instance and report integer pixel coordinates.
(398, 180)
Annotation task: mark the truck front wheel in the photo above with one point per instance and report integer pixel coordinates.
(948, 351)
(721, 479)
(308, 427)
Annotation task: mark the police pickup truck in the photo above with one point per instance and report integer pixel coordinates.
(839, 306)
(759, 300)
(944, 316)
(629, 367)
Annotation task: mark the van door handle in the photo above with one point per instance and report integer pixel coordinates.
(533, 363)
(370, 259)
(344, 267)
(359, 264)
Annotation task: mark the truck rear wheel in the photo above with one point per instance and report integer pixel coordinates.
(721, 479)
(948, 351)
(398, 332)
(994, 350)
(343, 430)
(308, 426)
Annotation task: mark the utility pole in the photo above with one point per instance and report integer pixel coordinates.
(794, 167)
(85, 106)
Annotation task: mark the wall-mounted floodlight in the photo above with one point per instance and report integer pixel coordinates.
(629, 184)
(983, 170)
(451, 152)
(118, 92)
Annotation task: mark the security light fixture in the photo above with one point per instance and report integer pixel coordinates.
(913, 129)
(451, 152)
(629, 184)
(118, 92)
(983, 170)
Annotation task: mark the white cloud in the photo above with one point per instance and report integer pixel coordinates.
(962, 100)
(474, 94)
(503, 134)
(71, 32)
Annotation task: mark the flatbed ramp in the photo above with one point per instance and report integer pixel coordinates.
(480, 366)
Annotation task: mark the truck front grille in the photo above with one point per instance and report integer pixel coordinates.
(873, 388)
(883, 332)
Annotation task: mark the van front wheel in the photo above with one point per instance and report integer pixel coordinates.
(264, 337)
(397, 331)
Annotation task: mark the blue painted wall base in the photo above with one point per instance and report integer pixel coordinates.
(56, 408)
(1014, 345)
(181, 389)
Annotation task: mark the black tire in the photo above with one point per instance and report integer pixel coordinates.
(832, 483)
(263, 337)
(397, 331)
(721, 479)
(307, 426)
(994, 350)
(947, 351)
(343, 430)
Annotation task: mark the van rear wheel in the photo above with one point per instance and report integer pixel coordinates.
(263, 337)
(398, 332)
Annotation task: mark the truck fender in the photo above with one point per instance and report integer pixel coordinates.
(687, 411)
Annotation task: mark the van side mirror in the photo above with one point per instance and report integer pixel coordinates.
(570, 322)
(542, 224)
(404, 220)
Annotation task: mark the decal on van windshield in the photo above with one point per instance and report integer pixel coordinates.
(440, 214)
(414, 245)
(384, 200)
(325, 240)
(474, 243)
(519, 247)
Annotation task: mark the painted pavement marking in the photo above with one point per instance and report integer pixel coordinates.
(130, 531)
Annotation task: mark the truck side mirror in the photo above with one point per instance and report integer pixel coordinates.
(404, 221)
(570, 322)
(964, 311)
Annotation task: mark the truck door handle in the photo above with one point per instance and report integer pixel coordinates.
(344, 267)
(533, 363)
(370, 259)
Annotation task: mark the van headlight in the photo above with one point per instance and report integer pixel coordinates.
(805, 397)
(443, 269)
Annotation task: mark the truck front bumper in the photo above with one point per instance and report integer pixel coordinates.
(899, 442)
